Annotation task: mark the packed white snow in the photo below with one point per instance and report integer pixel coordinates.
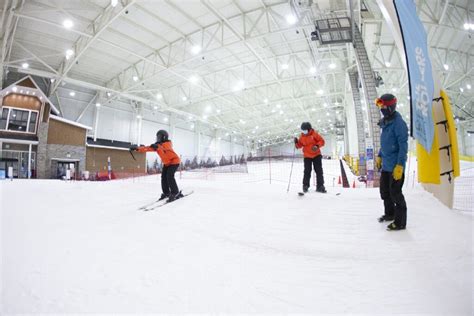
(237, 245)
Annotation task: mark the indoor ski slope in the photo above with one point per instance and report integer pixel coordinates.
(237, 245)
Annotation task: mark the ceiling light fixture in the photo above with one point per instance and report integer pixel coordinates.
(196, 49)
(159, 96)
(312, 70)
(72, 93)
(387, 64)
(135, 78)
(446, 66)
(291, 19)
(113, 3)
(97, 104)
(332, 65)
(68, 24)
(25, 65)
(284, 66)
(69, 53)
(193, 79)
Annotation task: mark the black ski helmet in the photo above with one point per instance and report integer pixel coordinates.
(161, 136)
(306, 126)
(387, 104)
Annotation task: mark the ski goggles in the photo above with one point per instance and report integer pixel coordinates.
(384, 103)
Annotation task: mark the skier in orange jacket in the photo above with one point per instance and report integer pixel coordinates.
(311, 142)
(163, 147)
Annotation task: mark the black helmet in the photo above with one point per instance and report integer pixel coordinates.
(161, 136)
(306, 126)
(387, 104)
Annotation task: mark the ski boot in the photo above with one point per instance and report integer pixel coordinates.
(174, 197)
(392, 226)
(305, 188)
(386, 218)
(321, 189)
(163, 196)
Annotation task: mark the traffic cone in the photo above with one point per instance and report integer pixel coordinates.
(339, 181)
(353, 184)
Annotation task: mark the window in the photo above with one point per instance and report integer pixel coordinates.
(18, 120)
(4, 118)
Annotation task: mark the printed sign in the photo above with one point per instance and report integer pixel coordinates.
(420, 76)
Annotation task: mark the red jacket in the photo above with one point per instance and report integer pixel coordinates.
(308, 141)
(165, 151)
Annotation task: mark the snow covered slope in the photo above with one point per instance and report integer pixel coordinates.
(239, 247)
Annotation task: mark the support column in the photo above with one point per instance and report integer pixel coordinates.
(29, 161)
(197, 140)
(361, 145)
(172, 126)
(96, 121)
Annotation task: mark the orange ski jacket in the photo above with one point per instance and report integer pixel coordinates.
(308, 141)
(165, 151)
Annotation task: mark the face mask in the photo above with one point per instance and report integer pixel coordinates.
(386, 112)
(305, 132)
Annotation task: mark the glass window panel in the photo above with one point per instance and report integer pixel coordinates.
(32, 125)
(3, 118)
(17, 121)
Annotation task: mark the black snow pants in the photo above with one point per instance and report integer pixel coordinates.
(393, 199)
(309, 163)
(168, 182)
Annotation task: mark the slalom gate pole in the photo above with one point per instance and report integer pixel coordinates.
(291, 169)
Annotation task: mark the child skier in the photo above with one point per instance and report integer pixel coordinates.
(391, 159)
(171, 161)
(311, 142)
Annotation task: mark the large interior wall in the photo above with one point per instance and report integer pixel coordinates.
(118, 121)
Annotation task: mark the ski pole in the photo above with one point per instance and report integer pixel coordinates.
(291, 169)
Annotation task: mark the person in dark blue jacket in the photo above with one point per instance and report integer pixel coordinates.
(391, 159)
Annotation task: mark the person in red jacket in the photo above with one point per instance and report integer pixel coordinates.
(170, 160)
(311, 142)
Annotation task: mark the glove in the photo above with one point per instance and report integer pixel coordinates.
(296, 140)
(154, 146)
(378, 162)
(315, 148)
(134, 148)
(397, 172)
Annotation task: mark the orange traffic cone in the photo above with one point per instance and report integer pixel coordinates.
(339, 181)
(353, 184)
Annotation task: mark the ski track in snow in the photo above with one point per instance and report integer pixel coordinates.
(231, 247)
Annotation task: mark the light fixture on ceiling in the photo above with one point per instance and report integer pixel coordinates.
(469, 26)
(461, 89)
(218, 110)
(193, 79)
(14, 89)
(159, 96)
(165, 119)
(69, 53)
(155, 107)
(256, 127)
(135, 78)
(109, 94)
(196, 49)
(25, 65)
(52, 80)
(312, 70)
(387, 64)
(446, 67)
(394, 89)
(204, 117)
(332, 66)
(184, 98)
(281, 112)
(68, 24)
(284, 66)
(208, 109)
(265, 100)
(278, 105)
(325, 105)
(72, 93)
(320, 92)
(192, 126)
(139, 116)
(113, 3)
(291, 19)
(97, 104)
(468, 86)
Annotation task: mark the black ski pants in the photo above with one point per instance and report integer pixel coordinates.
(393, 199)
(168, 182)
(309, 164)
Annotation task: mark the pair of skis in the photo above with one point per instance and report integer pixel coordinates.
(303, 193)
(160, 203)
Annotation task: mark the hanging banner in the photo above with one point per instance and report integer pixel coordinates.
(420, 76)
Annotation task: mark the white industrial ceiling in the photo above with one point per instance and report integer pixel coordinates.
(242, 66)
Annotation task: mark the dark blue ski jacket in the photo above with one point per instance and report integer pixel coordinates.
(393, 142)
